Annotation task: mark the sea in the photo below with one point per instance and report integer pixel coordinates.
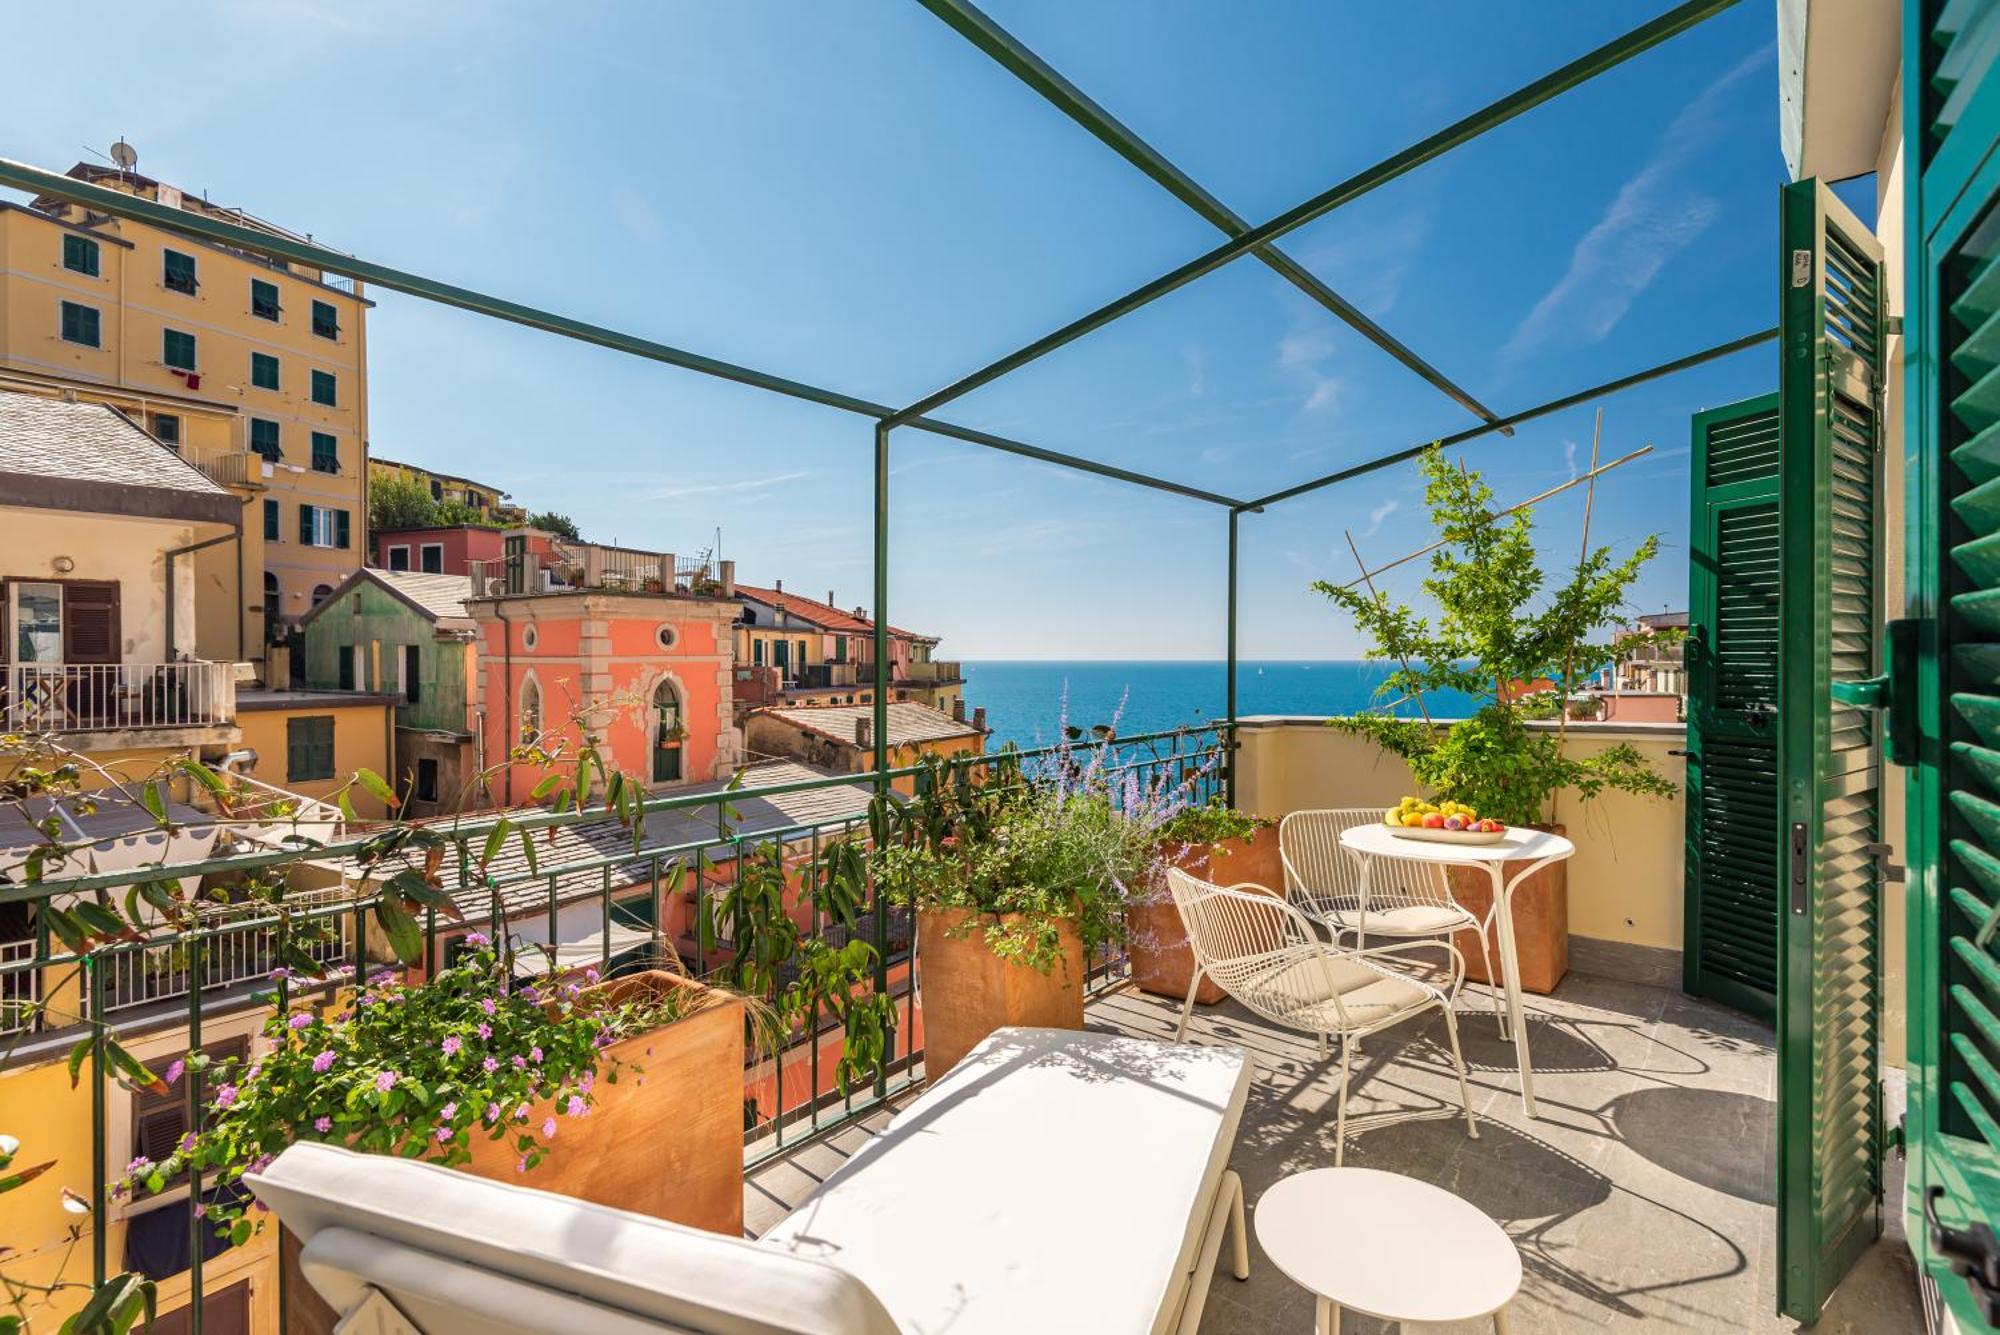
(1028, 702)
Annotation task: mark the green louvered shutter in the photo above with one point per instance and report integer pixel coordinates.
(1829, 759)
(1731, 938)
(1951, 127)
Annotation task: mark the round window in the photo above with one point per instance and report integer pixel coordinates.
(529, 639)
(666, 637)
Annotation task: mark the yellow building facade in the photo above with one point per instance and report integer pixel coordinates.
(255, 371)
(487, 499)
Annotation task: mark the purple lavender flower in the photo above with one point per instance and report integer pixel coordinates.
(385, 1081)
(322, 1061)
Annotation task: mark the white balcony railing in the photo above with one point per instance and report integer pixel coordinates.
(113, 697)
(242, 955)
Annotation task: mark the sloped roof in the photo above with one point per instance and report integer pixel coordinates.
(909, 722)
(824, 615)
(439, 599)
(89, 442)
(587, 843)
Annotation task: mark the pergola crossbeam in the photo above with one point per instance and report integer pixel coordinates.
(22, 176)
(1623, 382)
(1584, 68)
(1014, 56)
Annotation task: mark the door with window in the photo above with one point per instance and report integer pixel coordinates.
(669, 734)
(1944, 680)
(1731, 938)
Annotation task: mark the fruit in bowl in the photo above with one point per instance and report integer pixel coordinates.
(1457, 817)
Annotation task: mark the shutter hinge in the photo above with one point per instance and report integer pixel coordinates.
(1798, 868)
(1890, 871)
(1972, 1252)
(1892, 325)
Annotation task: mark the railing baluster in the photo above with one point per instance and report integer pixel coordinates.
(192, 1075)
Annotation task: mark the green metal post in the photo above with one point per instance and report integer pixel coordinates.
(882, 680)
(1229, 737)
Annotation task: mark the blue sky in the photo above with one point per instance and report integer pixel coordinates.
(849, 194)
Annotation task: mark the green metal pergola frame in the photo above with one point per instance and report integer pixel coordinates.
(1243, 239)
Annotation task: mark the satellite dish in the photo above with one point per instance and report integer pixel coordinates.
(126, 156)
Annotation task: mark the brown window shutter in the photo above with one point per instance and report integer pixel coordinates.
(160, 1120)
(90, 622)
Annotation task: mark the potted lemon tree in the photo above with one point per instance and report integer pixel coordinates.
(1516, 642)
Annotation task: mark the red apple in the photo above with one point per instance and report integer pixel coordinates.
(1433, 821)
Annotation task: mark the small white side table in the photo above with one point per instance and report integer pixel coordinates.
(1387, 1246)
(1508, 862)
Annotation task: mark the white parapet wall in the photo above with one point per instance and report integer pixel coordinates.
(1625, 884)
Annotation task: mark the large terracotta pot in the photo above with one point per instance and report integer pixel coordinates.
(1155, 938)
(666, 1139)
(1541, 923)
(968, 991)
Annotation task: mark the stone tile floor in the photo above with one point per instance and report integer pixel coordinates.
(1643, 1196)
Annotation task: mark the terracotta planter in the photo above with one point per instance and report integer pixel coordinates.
(1541, 923)
(968, 991)
(1155, 938)
(665, 1140)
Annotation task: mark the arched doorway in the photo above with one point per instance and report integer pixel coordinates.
(669, 733)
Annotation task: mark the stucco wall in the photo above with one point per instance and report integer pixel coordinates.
(130, 552)
(1625, 883)
(361, 740)
(379, 626)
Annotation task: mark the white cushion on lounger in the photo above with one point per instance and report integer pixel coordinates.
(1053, 1181)
(683, 1278)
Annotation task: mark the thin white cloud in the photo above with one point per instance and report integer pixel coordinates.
(1378, 515)
(1569, 458)
(1654, 216)
(739, 485)
(1196, 362)
(1302, 354)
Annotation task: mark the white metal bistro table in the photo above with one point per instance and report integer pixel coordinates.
(1388, 1246)
(1509, 862)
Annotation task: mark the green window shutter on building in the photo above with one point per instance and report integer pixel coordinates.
(309, 748)
(1731, 939)
(264, 439)
(1946, 715)
(177, 349)
(323, 388)
(1832, 321)
(263, 299)
(306, 524)
(271, 525)
(340, 532)
(80, 325)
(326, 320)
(80, 255)
(178, 273)
(263, 370)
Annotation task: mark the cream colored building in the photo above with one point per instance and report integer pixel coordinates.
(255, 371)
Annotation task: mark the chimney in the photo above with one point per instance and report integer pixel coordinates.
(666, 572)
(728, 579)
(958, 709)
(861, 734)
(829, 599)
(979, 718)
(779, 585)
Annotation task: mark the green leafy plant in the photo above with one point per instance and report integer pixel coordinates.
(1210, 823)
(1028, 856)
(1499, 630)
(121, 1302)
(417, 1071)
(549, 521)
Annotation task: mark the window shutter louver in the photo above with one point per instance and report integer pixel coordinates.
(1829, 762)
(340, 532)
(306, 525)
(1952, 120)
(1731, 945)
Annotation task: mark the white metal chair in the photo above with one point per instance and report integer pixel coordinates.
(1388, 897)
(1264, 952)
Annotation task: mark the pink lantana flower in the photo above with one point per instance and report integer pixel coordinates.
(322, 1062)
(385, 1081)
(322, 1124)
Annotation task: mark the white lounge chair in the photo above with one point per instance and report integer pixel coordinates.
(1263, 952)
(1053, 1181)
